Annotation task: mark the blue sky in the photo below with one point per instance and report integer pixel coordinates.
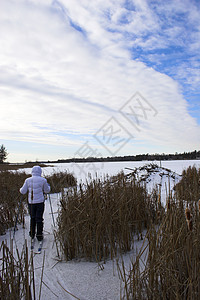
(115, 77)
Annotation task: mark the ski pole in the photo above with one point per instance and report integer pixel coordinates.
(54, 226)
(52, 211)
(20, 202)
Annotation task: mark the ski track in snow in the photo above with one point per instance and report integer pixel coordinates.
(85, 280)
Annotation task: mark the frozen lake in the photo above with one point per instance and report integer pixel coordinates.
(101, 169)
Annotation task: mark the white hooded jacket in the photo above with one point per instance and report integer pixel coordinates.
(37, 184)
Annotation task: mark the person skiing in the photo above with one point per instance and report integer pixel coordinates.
(36, 186)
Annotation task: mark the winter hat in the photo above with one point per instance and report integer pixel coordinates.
(36, 171)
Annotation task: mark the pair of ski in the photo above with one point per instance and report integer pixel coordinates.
(39, 249)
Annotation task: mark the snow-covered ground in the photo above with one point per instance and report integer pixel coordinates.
(86, 280)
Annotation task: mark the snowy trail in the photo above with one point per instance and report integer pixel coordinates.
(85, 280)
(50, 289)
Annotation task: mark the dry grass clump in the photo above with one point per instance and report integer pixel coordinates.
(60, 180)
(173, 263)
(172, 266)
(188, 188)
(16, 274)
(10, 198)
(100, 219)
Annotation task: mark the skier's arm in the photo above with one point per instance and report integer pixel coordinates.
(46, 188)
(24, 188)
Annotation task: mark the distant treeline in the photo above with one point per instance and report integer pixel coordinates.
(177, 156)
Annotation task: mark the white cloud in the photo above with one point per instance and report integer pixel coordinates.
(57, 83)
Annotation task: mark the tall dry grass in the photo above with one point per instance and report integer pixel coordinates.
(16, 274)
(188, 189)
(100, 219)
(172, 266)
(10, 198)
(61, 180)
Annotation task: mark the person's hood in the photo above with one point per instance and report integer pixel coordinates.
(36, 171)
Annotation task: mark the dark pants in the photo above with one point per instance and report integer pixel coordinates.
(36, 213)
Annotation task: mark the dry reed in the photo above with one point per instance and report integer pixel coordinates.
(173, 264)
(199, 205)
(61, 180)
(16, 273)
(10, 198)
(100, 219)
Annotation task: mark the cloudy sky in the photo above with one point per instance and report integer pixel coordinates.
(85, 78)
